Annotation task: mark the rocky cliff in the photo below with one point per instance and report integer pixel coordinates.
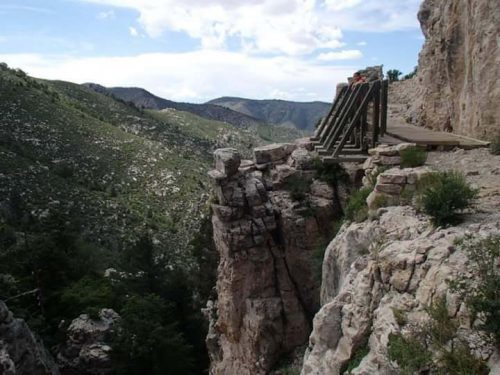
(380, 276)
(271, 215)
(20, 352)
(459, 66)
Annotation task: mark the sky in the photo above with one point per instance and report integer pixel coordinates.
(197, 50)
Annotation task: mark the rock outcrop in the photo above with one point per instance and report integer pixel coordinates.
(459, 66)
(397, 262)
(86, 351)
(271, 215)
(20, 352)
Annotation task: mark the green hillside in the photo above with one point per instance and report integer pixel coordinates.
(89, 182)
(300, 115)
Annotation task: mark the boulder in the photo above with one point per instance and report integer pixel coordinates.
(227, 161)
(86, 350)
(273, 153)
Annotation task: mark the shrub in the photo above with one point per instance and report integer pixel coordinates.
(410, 354)
(413, 157)
(298, 187)
(482, 295)
(434, 345)
(443, 194)
(332, 174)
(495, 145)
(356, 208)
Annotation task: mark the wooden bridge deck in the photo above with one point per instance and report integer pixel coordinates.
(428, 138)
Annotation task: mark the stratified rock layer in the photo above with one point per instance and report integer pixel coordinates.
(459, 66)
(266, 236)
(20, 352)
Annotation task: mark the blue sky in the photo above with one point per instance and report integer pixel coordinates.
(196, 50)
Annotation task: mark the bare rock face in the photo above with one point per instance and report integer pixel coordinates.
(20, 352)
(397, 262)
(459, 66)
(86, 351)
(266, 236)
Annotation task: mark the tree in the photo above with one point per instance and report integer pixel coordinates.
(147, 340)
(393, 75)
(412, 74)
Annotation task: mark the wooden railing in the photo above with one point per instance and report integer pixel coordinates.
(355, 122)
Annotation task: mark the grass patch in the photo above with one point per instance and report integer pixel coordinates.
(360, 353)
(413, 157)
(443, 195)
(356, 208)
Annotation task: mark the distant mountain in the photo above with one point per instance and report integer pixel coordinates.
(278, 112)
(144, 99)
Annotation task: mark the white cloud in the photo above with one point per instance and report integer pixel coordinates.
(133, 31)
(195, 76)
(104, 15)
(362, 43)
(291, 27)
(2, 39)
(352, 54)
(373, 15)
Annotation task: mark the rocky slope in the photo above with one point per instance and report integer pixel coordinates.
(459, 66)
(279, 112)
(395, 265)
(20, 351)
(270, 217)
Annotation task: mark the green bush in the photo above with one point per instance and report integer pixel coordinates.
(443, 195)
(356, 208)
(434, 345)
(482, 294)
(332, 174)
(410, 354)
(495, 145)
(413, 157)
(298, 187)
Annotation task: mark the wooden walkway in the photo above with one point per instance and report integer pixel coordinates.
(428, 138)
(360, 118)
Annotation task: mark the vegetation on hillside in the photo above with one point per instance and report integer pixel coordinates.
(89, 183)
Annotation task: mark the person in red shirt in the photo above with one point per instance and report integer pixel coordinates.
(357, 79)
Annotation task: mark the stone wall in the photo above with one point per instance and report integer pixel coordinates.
(266, 236)
(459, 66)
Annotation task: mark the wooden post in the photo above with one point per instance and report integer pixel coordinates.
(383, 107)
(376, 115)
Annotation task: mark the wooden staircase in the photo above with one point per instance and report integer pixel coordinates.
(355, 122)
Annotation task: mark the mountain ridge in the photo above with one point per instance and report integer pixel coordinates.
(302, 115)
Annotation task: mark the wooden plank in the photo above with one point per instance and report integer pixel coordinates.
(321, 127)
(357, 117)
(383, 106)
(423, 136)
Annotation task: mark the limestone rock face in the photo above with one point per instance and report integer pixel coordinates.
(86, 351)
(371, 269)
(267, 290)
(20, 352)
(459, 66)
